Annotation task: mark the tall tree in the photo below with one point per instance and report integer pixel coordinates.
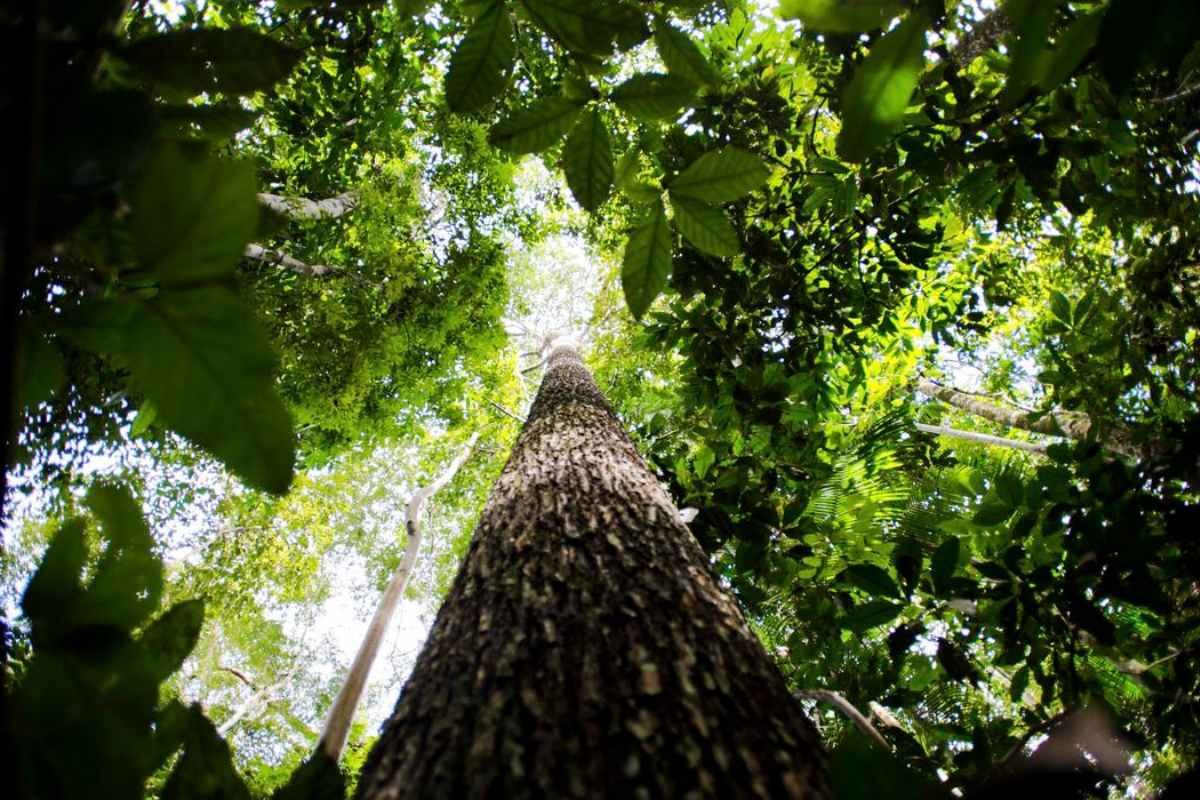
(586, 648)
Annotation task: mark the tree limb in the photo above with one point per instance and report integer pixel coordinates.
(300, 208)
(983, 438)
(981, 38)
(853, 714)
(341, 714)
(256, 252)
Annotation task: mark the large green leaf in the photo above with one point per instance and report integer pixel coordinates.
(168, 640)
(481, 61)
(647, 261)
(720, 176)
(654, 96)
(192, 216)
(707, 228)
(588, 161)
(231, 61)
(871, 615)
(840, 16)
(56, 585)
(878, 95)
(201, 359)
(206, 769)
(872, 579)
(589, 27)
(536, 127)
(127, 582)
(681, 55)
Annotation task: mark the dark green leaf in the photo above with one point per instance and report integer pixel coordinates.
(860, 770)
(170, 638)
(127, 582)
(720, 176)
(943, 564)
(871, 579)
(318, 778)
(589, 26)
(536, 127)
(841, 16)
(231, 61)
(39, 367)
(647, 261)
(681, 55)
(192, 216)
(480, 64)
(205, 770)
(871, 615)
(55, 587)
(1073, 47)
(706, 227)
(878, 94)
(991, 514)
(653, 96)
(214, 122)
(588, 161)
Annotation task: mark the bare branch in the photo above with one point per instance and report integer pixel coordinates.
(983, 438)
(300, 208)
(853, 714)
(256, 252)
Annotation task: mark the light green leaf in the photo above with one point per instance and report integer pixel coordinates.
(654, 96)
(201, 359)
(536, 127)
(145, 418)
(707, 228)
(647, 261)
(705, 457)
(840, 16)
(481, 61)
(588, 161)
(230, 61)
(882, 85)
(720, 176)
(192, 216)
(681, 55)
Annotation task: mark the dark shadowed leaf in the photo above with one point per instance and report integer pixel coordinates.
(588, 161)
(232, 61)
(127, 582)
(481, 61)
(707, 228)
(318, 778)
(654, 96)
(536, 127)
(871, 615)
(720, 176)
(860, 770)
(681, 55)
(647, 261)
(871, 579)
(216, 122)
(55, 586)
(942, 565)
(169, 639)
(841, 16)
(205, 770)
(590, 27)
(878, 94)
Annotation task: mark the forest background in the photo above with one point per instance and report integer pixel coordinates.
(268, 266)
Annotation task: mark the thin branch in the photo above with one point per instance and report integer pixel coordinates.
(983, 438)
(505, 411)
(243, 677)
(251, 702)
(256, 252)
(852, 713)
(341, 714)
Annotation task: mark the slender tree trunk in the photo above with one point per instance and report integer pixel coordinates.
(585, 648)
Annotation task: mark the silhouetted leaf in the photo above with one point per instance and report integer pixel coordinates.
(871, 615)
(647, 261)
(707, 228)
(230, 61)
(480, 64)
(318, 778)
(653, 96)
(840, 16)
(588, 161)
(205, 770)
(871, 579)
(169, 639)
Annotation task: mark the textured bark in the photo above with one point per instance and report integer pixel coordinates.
(982, 438)
(1056, 423)
(301, 208)
(256, 252)
(983, 37)
(585, 648)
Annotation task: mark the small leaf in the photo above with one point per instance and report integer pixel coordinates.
(871, 615)
(707, 228)
(480, 64)
(169, 639)
(720, 176)
(145, 418)
(681, 55)
(230, 61)
(536, 127)
(654, 96)
(588, 161)
(878, 94)
(647, 261)
(192, 216)
(840, 16)
(871, 579)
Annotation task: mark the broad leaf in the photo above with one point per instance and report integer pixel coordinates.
(170, 638)
(654, 96)
(56, 585)
(205, 770)
(720, 176)
(588, 161)
(589, 27)
(707, 228)
(943, 564)
(861, 770)
(536, 127)
(318, 778)
(878, 95)
(871, 615)
(871, 579)
(682, 57)
(192, 216)
(127, 582)
(841, 16)
(217, 122)
(231, 61)
(481, 61)
(647, 261)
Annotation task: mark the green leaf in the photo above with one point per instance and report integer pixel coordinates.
(127, 582)
(871, 615)
(217, 122)
(318, 778)
(840, 16)
(991, 514)
(943, 564)
(647, 261)
(878, 95)
(480, 64)
(872, 579)
(703, 460)
(55, 587)
(654, 96)
(205, 770)
(192, 216)
(681, 55)
(536, 127)
(208, 60)
(170, 638)
(588, 26)
(39, 369)
(145, 418)
(720, 176)
(588, 161)
(707, 228)
(860, 770)
(1060, 307)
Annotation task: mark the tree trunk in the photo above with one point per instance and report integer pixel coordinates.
(585, 648)
(982, 438)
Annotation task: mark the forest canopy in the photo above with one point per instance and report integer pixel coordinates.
(899, 300)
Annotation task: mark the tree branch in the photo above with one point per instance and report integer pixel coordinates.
(852, 713)
(300, 208)
(983, 438)
(256, 252)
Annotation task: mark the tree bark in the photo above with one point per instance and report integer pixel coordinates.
(256, 252)
(300, 208)
(982, 438)
(585, 648)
